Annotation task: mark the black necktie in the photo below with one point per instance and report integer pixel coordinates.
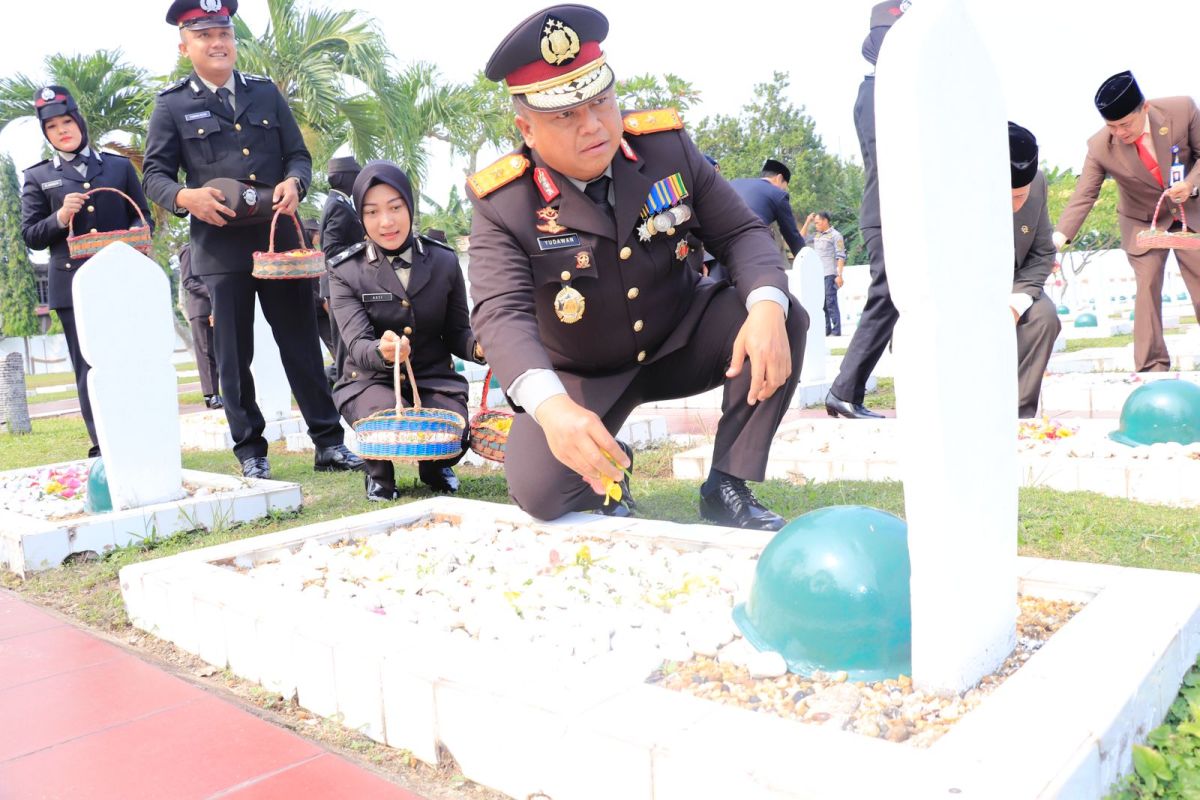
(226, 98)
(597, 192)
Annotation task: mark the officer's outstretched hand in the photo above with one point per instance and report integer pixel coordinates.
(764, 340)
(287, 196)
(206, 204)
(579, 439)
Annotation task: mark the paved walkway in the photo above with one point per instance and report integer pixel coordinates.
(81, 719)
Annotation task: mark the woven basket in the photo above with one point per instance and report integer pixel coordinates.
(410, 434)
(1165, 240)
(88, 244)
(290, 264)
(489, 427)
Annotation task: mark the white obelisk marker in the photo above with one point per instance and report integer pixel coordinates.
(812, 297)
(945, 199)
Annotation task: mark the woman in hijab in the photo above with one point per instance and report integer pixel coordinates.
(54, 192)
(399, 296)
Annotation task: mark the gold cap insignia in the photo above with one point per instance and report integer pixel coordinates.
(560, 44)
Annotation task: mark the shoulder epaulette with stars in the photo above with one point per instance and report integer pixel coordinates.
(438, 242)
(343, 256)
(501, 173)
(662, 119)
(179, 84)
(251, 77)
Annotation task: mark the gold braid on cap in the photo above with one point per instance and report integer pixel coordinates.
(550, 83)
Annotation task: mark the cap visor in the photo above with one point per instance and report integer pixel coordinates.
(202, 23)
(1120, 438)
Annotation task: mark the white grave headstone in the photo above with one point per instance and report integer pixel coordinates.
(812, 297)
(942, 143)
(271, 388)
(123, 306)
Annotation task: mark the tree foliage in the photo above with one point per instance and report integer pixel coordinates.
(650, 91)
(18, 286)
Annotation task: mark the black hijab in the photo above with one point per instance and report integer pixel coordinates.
(56, 101)
(387, 173)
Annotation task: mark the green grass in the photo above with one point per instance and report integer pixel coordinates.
(1188, 320)
(837, 351)
(68, 378)
(1120, 340)
(884, 395)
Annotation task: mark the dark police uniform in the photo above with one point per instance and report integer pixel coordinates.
(771, 204)
(46, 184)
(367, 299)
(879, 314)
(340, 228)
(197, 307)
(190, 129)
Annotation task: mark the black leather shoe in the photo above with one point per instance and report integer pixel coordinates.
(337, 458)
(439, 479)
(837, 407)
(626, 505)
(256, 467)
(379, 492)
(732, 503)
(214, 401)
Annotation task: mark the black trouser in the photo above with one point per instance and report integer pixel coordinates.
(833, 315)
(81, 368)
(288, 307)
(874, 327)
(206, 355)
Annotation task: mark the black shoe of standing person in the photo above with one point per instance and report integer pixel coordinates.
(439, 479)
(378, 491)
(337, 458)
(214, 401)
(94, 451)
(730, 502)
(256, 467)
(837, 407)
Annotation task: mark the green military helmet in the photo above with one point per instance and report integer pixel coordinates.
(831, 592)
(1162, 411)
(1182, 297)
(1166, 298)
(1131, 314)
(1063, 311)
(99, 499)
(1087, 320)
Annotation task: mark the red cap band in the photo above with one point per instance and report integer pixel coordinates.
(539, 70)
(196, 13)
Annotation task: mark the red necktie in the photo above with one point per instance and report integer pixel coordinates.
(1148, 159)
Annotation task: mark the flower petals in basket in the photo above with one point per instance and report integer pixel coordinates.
(299, 263)
(1168, 240)
(490, 427)
(410, 434)
(88, 244)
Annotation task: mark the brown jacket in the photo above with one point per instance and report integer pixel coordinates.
(1033, 241)
(1173, 121)
(643, 298)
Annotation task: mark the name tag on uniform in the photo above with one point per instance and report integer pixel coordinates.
(197, 115)
(52, 184)
(378, 297)
(558, 242)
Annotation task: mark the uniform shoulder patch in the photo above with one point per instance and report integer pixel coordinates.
(38, 164)
(179, 84)
(501, 173)
(437, 242)
(251, 77)
(345, 255)
(662, 119)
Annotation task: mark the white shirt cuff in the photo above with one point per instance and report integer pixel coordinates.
(1020, 302)
(534, 387)
(768, 293)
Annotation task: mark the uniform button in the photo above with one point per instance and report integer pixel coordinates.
(245, 151)
(237, 127)
(566, 276)
(637, 326)
(253, 177)
(641, 356)
(403, 376)
(406, 304)
(633, 293)
(407, 330)
(91, 209)
(87, 186)
(266, 122)
(68, 265)
(95, 231)
(199, 130)
(353, 374)
(626, 253)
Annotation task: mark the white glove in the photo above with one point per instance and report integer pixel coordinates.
(1060, 241)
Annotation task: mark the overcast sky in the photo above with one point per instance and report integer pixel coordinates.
(1051, 54)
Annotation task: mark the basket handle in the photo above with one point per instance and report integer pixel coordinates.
(1158, 205)
(275, 219)
(412, 382)
(487, 381)
(141, 216)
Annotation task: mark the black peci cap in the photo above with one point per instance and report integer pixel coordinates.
(1022, 154)
(778, 167)
(1119, 96)
(251, 201)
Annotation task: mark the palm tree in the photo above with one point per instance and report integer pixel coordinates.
(113, 96)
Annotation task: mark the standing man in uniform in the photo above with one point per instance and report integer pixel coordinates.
(1140, 141)
(218, 123)
(1035, 316)
(340, 228)
(588, 297)
(768, 197)
(55, 196)
(874, 331)
(197, 307)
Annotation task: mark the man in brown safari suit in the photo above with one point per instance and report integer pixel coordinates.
(1135, 148)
